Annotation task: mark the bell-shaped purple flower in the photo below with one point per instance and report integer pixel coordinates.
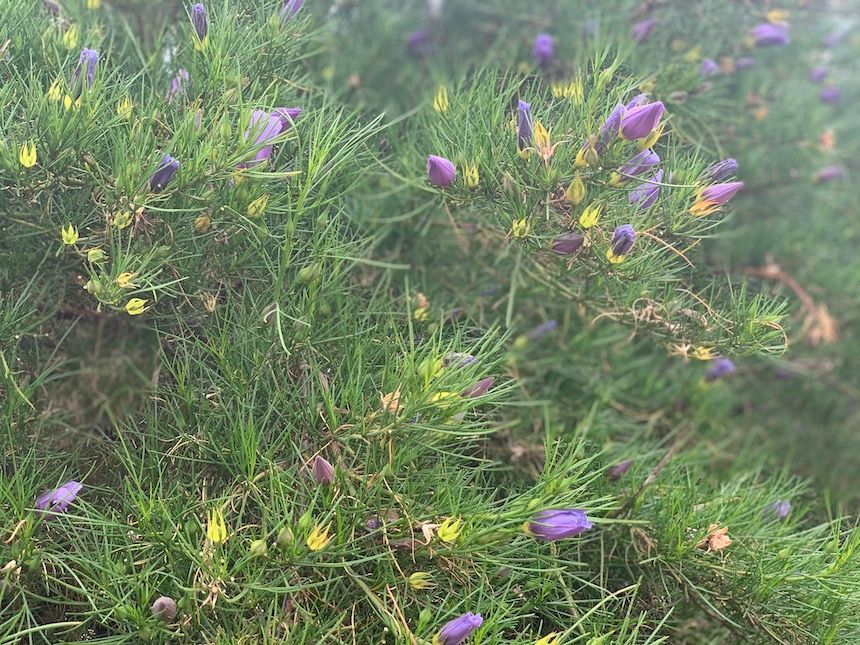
(164, 609)
(768, 34)
(288, 116)
(830, 94)
(617, 471)
(720, 368)
(719, 194)
(458, 359)
(163, 174)
(623, 238)
(818, 74)
(458, 630)
(642, 30)
(524, 125)
(58, 500)
(722, 169)
(568, 243)
(85, 73)
(290, 8)
(559, 524)
(609, 130)
(832, 172)
(478, 389)
(440, 171)
(745, 62)
(322, 471)
(543, 49)
(645, 194)
(708, 67)
(178, 85)
(264, 127)
(781, 508)
(199, 20)
(639, 164)
(640, 121)
(639, 99)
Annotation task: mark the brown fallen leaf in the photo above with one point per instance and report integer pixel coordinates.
(391, 401)
(717, 538)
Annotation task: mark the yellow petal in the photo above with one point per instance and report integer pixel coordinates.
(27, 155)
(135, 307)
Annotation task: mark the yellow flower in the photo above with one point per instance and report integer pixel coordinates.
(421, 314)
(135, 306)
(238, 176)
(777, 16)
(70, 37)
(573, 91)
(678, 45)
(200, 45)
(124, 107)
(421, 580)
(124, 280)
(590, 215)
(471, 176)
(520, 228)
(54, 92)
(614, 259)
(94, 4)
(68, 102)
(450, 529)
(440, 101)
(694, 55)
(318, 538)
(541, 137)
(216, 529)
(550, 639)
(647, 86)
(202, 223)
(557, 90)
(444, 398)
(651, 139)
(122, 219)
(257, 207)
(703, 353)
(27, 155)
(575, 193)
(70, 234)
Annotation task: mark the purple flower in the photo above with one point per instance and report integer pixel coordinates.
(836, 36)
(543, 49)
(623, 238)
(567, 243)
(559, 524)
(322, 471)
(722, 169)
(720, 368)
(440, 171)
(265, 127)
(780, 508)
(609, 130)
(831, 173)
(645, 194)
(179, 84)
(639, 99)
(617, 471)
(290, 8)
(418, 43)
(458, 359)
(88, 61)
(524, 125)
(719, 194)
(458, 630)
(164, 609)
(199, 20)
(744, 63)
(163, 174)
(830, 94)
(58, 500)
(708, 67)
(478, 389)
(542, 330)
(288, 116)
(639, 164)
(767, 34)
(640, 121)
(817, 74)
(642, 30)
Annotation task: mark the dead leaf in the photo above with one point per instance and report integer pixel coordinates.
(391, 401)
(717, 538)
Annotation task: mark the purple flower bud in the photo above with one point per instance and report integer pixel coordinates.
(722, 169)
(708, 67)
(199, 20)
(567, 244)
(163, 174)
(88, 61)
(830, 94)
(478, 389)
(641, 120)
(543, 49)
(645, 194)
(639, 164)
(264, 127)
(288, 116)
(458, 630)
(831, 173)
(642, 30)
(639, 99)
(58, 500)
(290, 8)
(52, 7)
(178, 84)
(440, 171)
(720, 368)
(719, 194)
(609, 130)
(164, 609)
(542, 330)
(817, 74)
(744, 63)
(622, 240)
(767, 34)
(458, 359)
(559, 524)
(781, 508)
(524, 125)
(322, 471)
(617, 471)
(418, 43)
